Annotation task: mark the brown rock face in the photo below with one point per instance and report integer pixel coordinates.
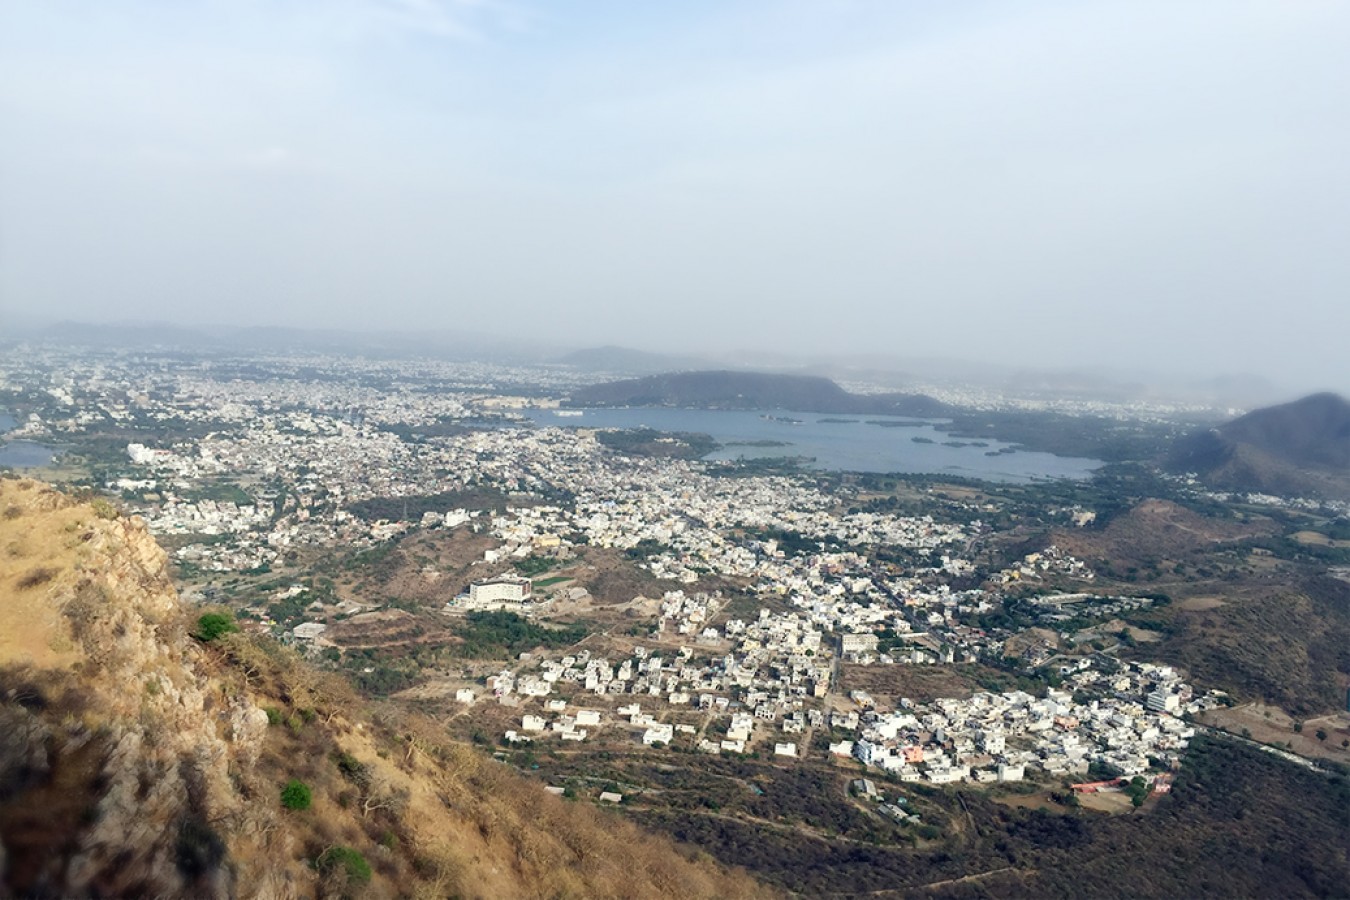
(140, 754)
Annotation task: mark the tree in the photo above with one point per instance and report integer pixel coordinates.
(1138, 790)
(296, 795)
(1321, 734)
(213, 626)
(346, 861)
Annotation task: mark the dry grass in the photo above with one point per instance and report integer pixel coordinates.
(1114, 802)
(460, 823)
(1200, 604)
(1272, 725)
(887, 684)
(39, 549)
(1317, 539)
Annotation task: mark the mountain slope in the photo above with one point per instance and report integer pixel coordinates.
(624, 360)
(138, 761)
(752, 390)
(1301, 447)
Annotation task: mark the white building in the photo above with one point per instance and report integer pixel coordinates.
(505, 592)
(855, 645)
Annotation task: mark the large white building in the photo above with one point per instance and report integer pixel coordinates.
(508, 592)
(856, 645)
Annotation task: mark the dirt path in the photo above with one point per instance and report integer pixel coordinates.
(909, 890)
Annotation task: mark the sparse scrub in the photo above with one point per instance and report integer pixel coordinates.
(35, 577)
(104, 509)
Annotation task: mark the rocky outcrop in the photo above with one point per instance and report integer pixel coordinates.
(134, 721)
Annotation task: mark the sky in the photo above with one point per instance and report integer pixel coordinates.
(1048, 183)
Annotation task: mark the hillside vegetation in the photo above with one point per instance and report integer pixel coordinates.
(752, 390)
(138, 760)
(1299, 448)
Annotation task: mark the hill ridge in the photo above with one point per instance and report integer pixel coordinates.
(730, 389)
(1300, 447)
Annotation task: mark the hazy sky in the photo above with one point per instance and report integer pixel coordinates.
(1037, 182)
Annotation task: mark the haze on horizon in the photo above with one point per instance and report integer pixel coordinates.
(1128, 182)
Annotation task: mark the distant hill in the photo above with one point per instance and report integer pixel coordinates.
(752, 390)
(126, 334)
(625, 360)
(376, 343)
(1295, 448)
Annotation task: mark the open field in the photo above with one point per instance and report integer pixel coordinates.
(1272, 725)
(1317, 539)
(887, 684)
(1114, 802)
(1200, 604)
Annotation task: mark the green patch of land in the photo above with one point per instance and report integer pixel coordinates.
(661, 444)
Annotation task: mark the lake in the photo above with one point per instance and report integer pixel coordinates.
(845, 443)
(22, 454)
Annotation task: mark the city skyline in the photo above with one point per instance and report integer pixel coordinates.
(1130, 185)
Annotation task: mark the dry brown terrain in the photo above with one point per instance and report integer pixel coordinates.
(1317, 539)
(921, 683)
(42, 543)
(1200, 604)
(1114, 802)
(389, 628)
(1272, 725)
(1158, 529)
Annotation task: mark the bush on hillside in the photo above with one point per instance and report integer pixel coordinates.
(213, 626)
(296, 795)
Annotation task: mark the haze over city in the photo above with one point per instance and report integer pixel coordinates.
(1131, 184)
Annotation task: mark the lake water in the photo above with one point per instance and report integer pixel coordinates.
(853, 445)
(21, 454)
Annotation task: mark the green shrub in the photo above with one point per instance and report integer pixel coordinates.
(273, 715)
(296, 795)
(345, 858)
(212, 626)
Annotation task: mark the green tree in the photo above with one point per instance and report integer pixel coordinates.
(347, 860)
(213, 626)
(296, 795)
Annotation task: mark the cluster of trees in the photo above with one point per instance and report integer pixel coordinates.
(490, 635)
(650, 442)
